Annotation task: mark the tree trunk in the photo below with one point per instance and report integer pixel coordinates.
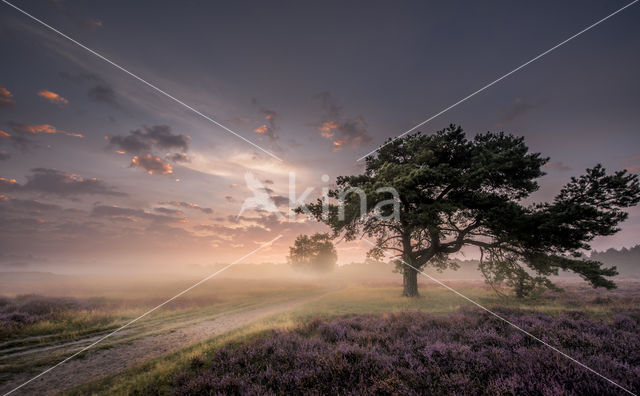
(410, 282)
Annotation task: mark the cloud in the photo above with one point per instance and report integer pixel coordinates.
(6, 98)
(342, 131)
(104, 93)
(266, 131)
(55, 182)
(119, 213)
(517, 110)
(149, 138)
(8, 185)
(188, 205)
(4, 155)
(170, 212)
(26, 205)
(557, 166)
(100, 90)
(20, 142)
(152, 164)
(37, 129)
(52, 97)
(279, 200)
(22, 133)
(268, 122)
(178, 157)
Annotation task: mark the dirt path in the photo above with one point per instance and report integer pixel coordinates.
(100, 363)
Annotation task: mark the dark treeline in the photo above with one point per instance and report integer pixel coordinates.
(626, 260)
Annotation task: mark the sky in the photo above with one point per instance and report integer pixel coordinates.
(100, 170)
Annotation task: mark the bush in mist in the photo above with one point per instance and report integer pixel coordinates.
(469, 352)
(314, 253)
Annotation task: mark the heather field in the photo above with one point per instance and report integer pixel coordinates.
(467, 352)
(37, 331)
(366, 338)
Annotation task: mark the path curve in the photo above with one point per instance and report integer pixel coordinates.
(103, 362)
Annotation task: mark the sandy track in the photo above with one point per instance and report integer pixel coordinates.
(100, 363)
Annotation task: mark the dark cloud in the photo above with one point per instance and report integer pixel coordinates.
(147, 139)
(100, 91)
(118, 213)
(6, 98)
(55, 182)
(130, 144)
(188, 205)
(279, 200)
(9, 185)
(557, 166)
(4, 155)
(267, 123)
(170, 212)
(229, 198)
(516, 110)
(178, 157)
(340, 130)
(20, 142)
(26, 205)
(152, 164)
(104, 93)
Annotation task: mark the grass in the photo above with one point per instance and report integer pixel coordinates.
(158, 373)
(22, 348)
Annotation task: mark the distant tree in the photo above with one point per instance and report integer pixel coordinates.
(455, 192)
(314, 253)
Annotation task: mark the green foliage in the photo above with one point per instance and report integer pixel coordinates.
(455, 192)
(314, 253)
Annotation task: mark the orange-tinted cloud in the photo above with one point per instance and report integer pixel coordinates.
(342, 131)
(268, 131)
(40, 128)
(52, 97)
(3, 135)
(261, 129)
(152, 164)
(8, 181)
(327, 129)
(6, 99)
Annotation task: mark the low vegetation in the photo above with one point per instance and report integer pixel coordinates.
(469, 352)
(342, 328)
